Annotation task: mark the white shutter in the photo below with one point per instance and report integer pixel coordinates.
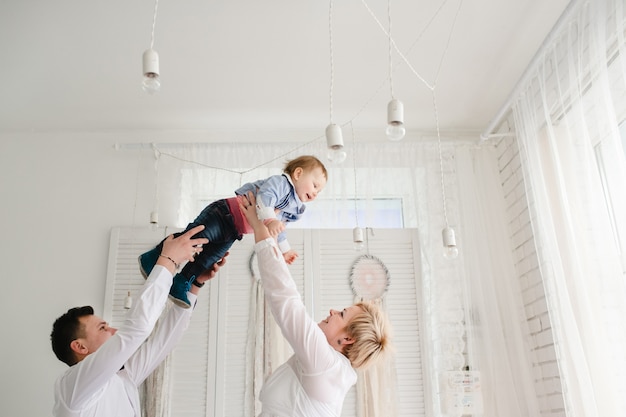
(123, 275)
(208, 367)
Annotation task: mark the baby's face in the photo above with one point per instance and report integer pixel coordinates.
(308, 183)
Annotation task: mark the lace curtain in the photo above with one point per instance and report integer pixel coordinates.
(567, 119)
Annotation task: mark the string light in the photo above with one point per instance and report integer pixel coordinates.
(151, 82)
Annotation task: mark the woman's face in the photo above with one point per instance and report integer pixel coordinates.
(334, 326)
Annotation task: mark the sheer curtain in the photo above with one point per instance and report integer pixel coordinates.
(466, 322)
(567, 120)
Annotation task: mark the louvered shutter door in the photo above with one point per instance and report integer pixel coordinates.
(208, 367)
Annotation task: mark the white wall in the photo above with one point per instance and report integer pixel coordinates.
(61, 194)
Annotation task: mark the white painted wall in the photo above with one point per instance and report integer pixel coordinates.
(61, 194)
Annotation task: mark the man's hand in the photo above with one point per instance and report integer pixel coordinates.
(210, 273)
(183, 248)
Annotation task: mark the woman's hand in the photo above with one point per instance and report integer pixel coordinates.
(247, 205)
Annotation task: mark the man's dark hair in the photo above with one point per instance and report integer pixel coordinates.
(66, 329)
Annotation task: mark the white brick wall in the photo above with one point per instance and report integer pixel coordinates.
(546, 371)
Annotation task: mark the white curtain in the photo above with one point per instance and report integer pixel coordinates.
(497, 347)
(155, 390)
(376, 388)
(266, 349)
(453, 292)
(567, 120)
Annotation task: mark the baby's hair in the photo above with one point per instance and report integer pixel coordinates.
(306, 162)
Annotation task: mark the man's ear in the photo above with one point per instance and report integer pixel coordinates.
(77, 346)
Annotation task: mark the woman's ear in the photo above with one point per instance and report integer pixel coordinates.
(347, 340)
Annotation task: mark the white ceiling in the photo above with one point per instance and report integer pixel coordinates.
(262, 65)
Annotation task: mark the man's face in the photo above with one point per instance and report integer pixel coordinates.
(96, 332)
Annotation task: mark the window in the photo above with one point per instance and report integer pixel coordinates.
(382, 213)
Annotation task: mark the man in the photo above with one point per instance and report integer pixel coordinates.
(107, 365)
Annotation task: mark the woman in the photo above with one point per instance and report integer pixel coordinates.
(315, 380)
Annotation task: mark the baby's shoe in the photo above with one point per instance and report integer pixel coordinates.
(178, 290)
(147, 262)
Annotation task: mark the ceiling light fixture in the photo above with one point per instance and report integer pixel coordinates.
(357, 238)
(395, 120)
(334, 137)
(151, 82)
(450, 250)
(395, 109)
(334, 141)
(357, 232)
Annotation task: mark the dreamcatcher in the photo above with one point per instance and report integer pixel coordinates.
(369, 278)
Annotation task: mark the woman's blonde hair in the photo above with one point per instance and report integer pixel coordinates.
(371, 332)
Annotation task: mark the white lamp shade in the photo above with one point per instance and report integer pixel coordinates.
(334, 137)
(150, 63)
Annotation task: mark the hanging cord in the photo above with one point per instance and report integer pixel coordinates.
(391, 42)
(356, 212)
(157, 155)
(156, 5)
(240, 172)
(390, 55)
(402, 56)
(382, 84)
(445, 51)
(330, 41)
(443, 186)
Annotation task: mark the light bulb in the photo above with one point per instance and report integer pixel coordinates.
(395, 120)
(334, 141)
(151, 82)
(336, 156)
(357, 238)
(450, 251)
(395, 131)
